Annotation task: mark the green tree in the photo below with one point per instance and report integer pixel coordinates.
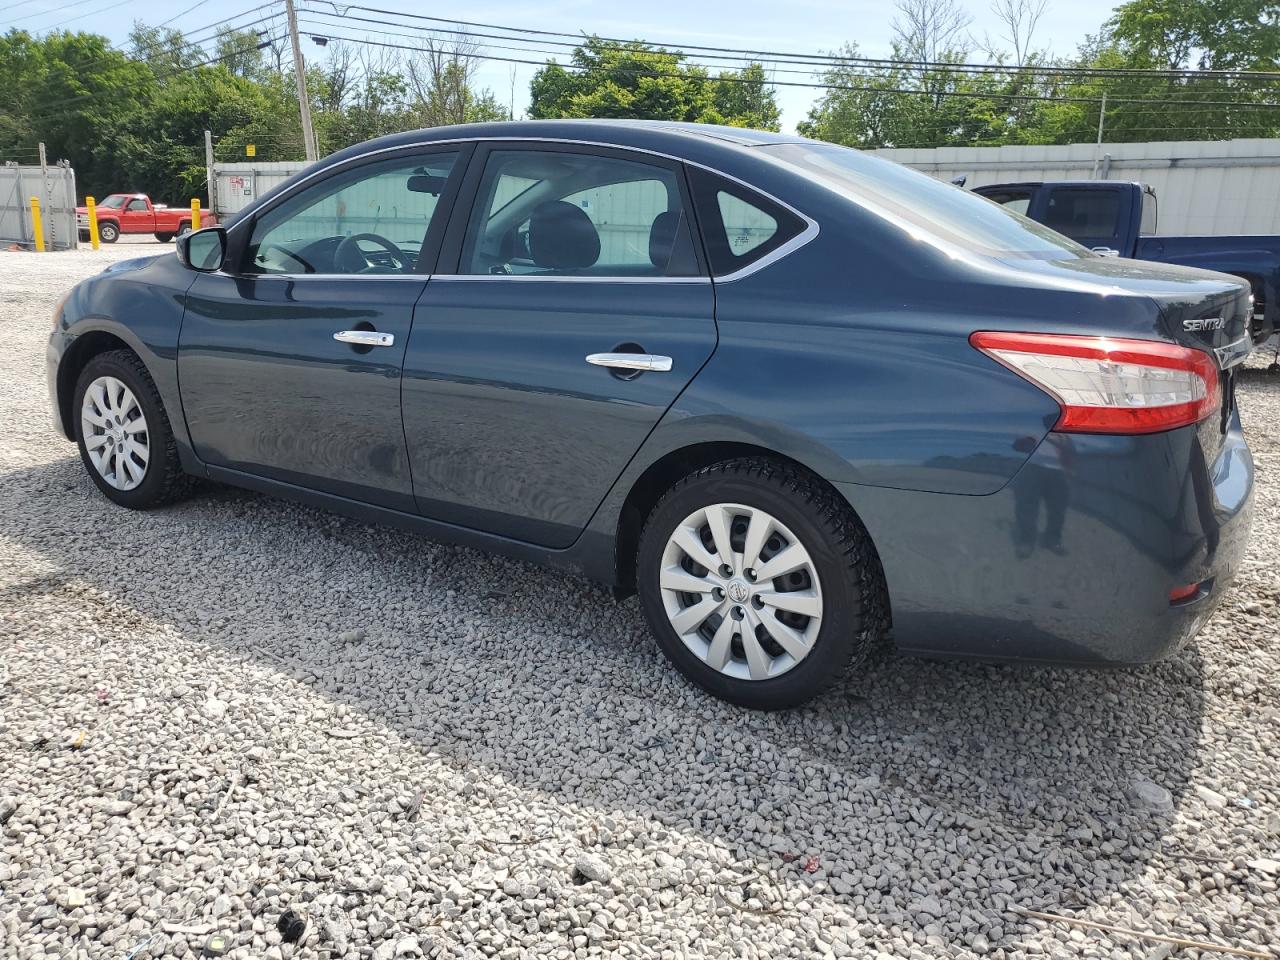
(1209, 34)
(641, 82)
(74, 92)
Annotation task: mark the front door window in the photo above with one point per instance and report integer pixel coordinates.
(370, 220)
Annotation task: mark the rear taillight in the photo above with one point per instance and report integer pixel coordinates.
(1108, 385)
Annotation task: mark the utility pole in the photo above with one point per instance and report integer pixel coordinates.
(46, 194)
(1102, 119)
(300, 73)
(208, 166)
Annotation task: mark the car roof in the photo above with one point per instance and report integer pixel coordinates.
(656, 135)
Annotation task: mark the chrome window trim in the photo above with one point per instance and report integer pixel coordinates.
(791, 246)
(419, 277)
(566, 278)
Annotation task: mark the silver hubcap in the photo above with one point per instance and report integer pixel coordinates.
(115, 433)
(741, 591)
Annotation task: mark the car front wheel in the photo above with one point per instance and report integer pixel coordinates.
(108, 232)
(124, 436)
(759, 583)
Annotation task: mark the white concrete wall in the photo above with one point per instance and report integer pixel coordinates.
(1203, 187)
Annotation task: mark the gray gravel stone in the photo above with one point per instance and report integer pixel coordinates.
(577, 798)
(590, 867)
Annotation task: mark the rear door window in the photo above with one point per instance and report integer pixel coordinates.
(557, 213)
(1086, 215)
(740, 227)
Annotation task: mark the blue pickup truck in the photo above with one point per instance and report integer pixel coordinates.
(1119, 218)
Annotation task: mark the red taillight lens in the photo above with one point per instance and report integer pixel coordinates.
(1108, 385)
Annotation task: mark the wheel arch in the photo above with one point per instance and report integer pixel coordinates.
(83, 348)
(658, 477)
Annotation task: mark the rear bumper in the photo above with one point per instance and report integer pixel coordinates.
(1073, 561)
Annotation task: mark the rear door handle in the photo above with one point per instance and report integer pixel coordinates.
(365, 338)
(647, 362)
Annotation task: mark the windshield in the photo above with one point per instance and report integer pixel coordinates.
(113, 202)
(921, 204)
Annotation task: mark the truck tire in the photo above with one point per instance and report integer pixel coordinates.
(108, 232)
(164, 237)
(184, 227)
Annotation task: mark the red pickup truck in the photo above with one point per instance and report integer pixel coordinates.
(135, 213)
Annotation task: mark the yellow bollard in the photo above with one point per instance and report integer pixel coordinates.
(92, 204)
(37, 224)
(195, 214)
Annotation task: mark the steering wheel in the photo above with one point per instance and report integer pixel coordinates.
(352, 259)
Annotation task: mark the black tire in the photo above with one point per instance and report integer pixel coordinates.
(184, 228)
(163, 480)
(854, 600)
(108, 232)
(164, 237)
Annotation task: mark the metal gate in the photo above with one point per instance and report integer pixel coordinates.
(55, 186)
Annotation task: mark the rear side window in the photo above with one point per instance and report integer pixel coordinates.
(1087, 216)
(739, 226)
(1019, 201)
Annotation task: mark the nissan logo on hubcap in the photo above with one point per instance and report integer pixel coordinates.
(738, 592)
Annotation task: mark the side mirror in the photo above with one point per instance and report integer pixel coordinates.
(203, 250)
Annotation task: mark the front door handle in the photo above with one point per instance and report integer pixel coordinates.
(645, 362)
(365, 338)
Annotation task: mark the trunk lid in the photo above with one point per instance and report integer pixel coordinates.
(1203, 309)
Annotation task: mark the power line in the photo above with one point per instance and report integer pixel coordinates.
(638, 72)
(189, 43)
(14, 6)
(179, 16)
(834, 59)
(44, 13)
(734, 65)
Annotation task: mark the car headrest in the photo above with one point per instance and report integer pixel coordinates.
(562, 237)
(670, 248)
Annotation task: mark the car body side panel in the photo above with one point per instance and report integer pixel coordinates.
(141, 303)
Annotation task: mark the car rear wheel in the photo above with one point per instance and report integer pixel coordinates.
(759, 583)
(108, 232)
(124, 436)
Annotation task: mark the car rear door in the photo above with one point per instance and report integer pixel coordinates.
(289, 365)
(571, 308)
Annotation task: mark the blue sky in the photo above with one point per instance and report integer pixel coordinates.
(788, 25)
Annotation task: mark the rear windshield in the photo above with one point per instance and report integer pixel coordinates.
(924, 204)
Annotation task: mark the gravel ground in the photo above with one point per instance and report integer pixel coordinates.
(235, 707)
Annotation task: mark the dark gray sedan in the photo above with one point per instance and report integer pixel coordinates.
(795, 396)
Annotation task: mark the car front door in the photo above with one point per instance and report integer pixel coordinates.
(137, 217)
(289, 364)
(579, 308)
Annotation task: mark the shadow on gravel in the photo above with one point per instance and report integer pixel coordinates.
(975, 785)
